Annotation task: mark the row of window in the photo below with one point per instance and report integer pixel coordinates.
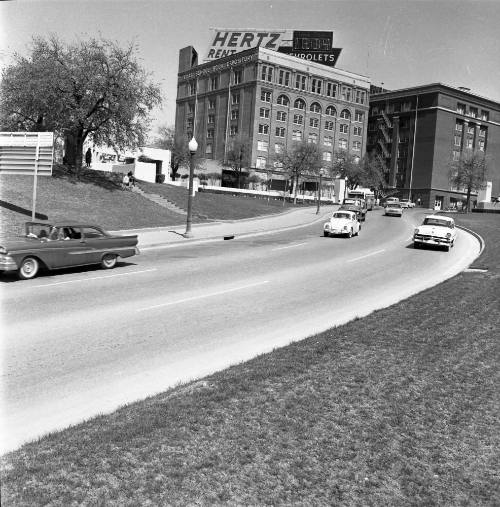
(471, 128)
(469, 143)
(313, 122)
(473, 112)
(303, 82)
(298, 135)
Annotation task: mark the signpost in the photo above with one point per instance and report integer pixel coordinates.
(27, 153)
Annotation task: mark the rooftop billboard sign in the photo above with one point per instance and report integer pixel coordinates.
(315, 46)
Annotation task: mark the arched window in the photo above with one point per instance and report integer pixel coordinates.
(283, 100)
(330, 111)
(345, 114)
(315, 108)
(299, 104)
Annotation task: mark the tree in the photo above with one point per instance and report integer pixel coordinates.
(178, 146)
(469, 172)
(373, 174)
(347, 166)
(238, 156)
(301, 159)
(89, 89)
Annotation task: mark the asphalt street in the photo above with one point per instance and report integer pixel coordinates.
(85, 341)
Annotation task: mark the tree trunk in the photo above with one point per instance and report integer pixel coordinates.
(467, 206)
(73, 151)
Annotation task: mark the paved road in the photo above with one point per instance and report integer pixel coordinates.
(86, 341)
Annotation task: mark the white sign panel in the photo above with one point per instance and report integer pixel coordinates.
(26, 152)
(227, 41)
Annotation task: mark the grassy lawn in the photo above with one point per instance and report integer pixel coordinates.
(95, 198)
(399, 408)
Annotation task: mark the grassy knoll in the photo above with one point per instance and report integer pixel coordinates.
(96, 198)
(399, 408)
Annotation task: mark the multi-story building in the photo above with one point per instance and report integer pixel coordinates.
(269, 99)
(417, 132)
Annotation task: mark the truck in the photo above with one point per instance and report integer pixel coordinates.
(363, 193)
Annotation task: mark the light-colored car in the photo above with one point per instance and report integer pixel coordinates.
(406, 203)
(393, 209)
(342, 222)
(389, 200)
(436, 230)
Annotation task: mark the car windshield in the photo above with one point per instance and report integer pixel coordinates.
(342, 215)
(438, 221)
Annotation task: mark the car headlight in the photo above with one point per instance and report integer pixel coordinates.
(448, 235)
(3, 250)
(345, 227)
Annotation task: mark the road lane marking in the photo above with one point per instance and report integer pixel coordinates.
(95, 278)
(365, 256)
(194, 298)
(289, 246)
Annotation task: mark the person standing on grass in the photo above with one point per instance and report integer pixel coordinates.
(88, 157)
(125, 182)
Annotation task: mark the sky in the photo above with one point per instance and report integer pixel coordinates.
(396, 43)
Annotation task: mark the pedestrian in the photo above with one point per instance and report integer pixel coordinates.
(126, 182)
(88, 157)
(131, 178)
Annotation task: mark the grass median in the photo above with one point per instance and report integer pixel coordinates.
(398, 408)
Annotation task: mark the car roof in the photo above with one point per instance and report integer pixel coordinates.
(439, 217)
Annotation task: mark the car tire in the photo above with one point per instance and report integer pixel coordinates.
(109, 261)
(29, 268)
(447, 248)
(325, 234)
(416, 246)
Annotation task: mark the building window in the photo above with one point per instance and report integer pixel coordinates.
(281, 115)
(233, 130)
(485, 115)
(190, 108)
(267, 73)
(343, 144)
(329, 125)
(345, 114)
(262, 145)
(460, 108)
(300, 82)
(344, 128)
(356, 145)
(458, 141)
(211, 119)
(331, 89)
(480, 144)
(469, 143)
(260, 163)
(327, 156)
(192, 87)
(234, 114)
(210, 133)
(263, 128)
(358, 131)
(189, 124)
(316, 85)
(314, 122)
(235, 98)
(482, 131)
(297, 135)
(214, 82)
(211, 104)
(283, 100)
(298, 119)
(473, 112)
(470, 129)
(358, 116)
(328, 141)
(265, 96)
(315, 108)
(284, 78)
(208, 149)
(278, 148)
(459, 126)
(299, 104)
(330, 111)
(237, 76)
(360, 97)
(456, 155)
(346, 93)
(312, 138)
(264, 112)
(280, 132)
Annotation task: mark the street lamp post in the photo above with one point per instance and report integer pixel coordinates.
(193, 146)
(319, 190)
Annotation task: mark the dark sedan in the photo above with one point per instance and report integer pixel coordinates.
(61, 245)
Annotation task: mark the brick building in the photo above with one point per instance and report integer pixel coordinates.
(417, 131)
(270, 99)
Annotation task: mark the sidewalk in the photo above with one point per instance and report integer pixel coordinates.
(231, 229)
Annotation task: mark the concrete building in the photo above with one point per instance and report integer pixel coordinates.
(269, 99)
(417, 131)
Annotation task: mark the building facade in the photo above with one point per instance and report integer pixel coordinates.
(417, 132)
(270, 100)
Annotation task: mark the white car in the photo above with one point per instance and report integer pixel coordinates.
(436, 230)
(342, 222)
(406, 203)
(393, 209)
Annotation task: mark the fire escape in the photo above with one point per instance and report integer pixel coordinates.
(384, 141)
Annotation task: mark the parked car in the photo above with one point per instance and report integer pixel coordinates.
(389, 200)
(436, 230)
(393, 209)
(406, 203)
(357, 205)
(342, 222)
(61, 245)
